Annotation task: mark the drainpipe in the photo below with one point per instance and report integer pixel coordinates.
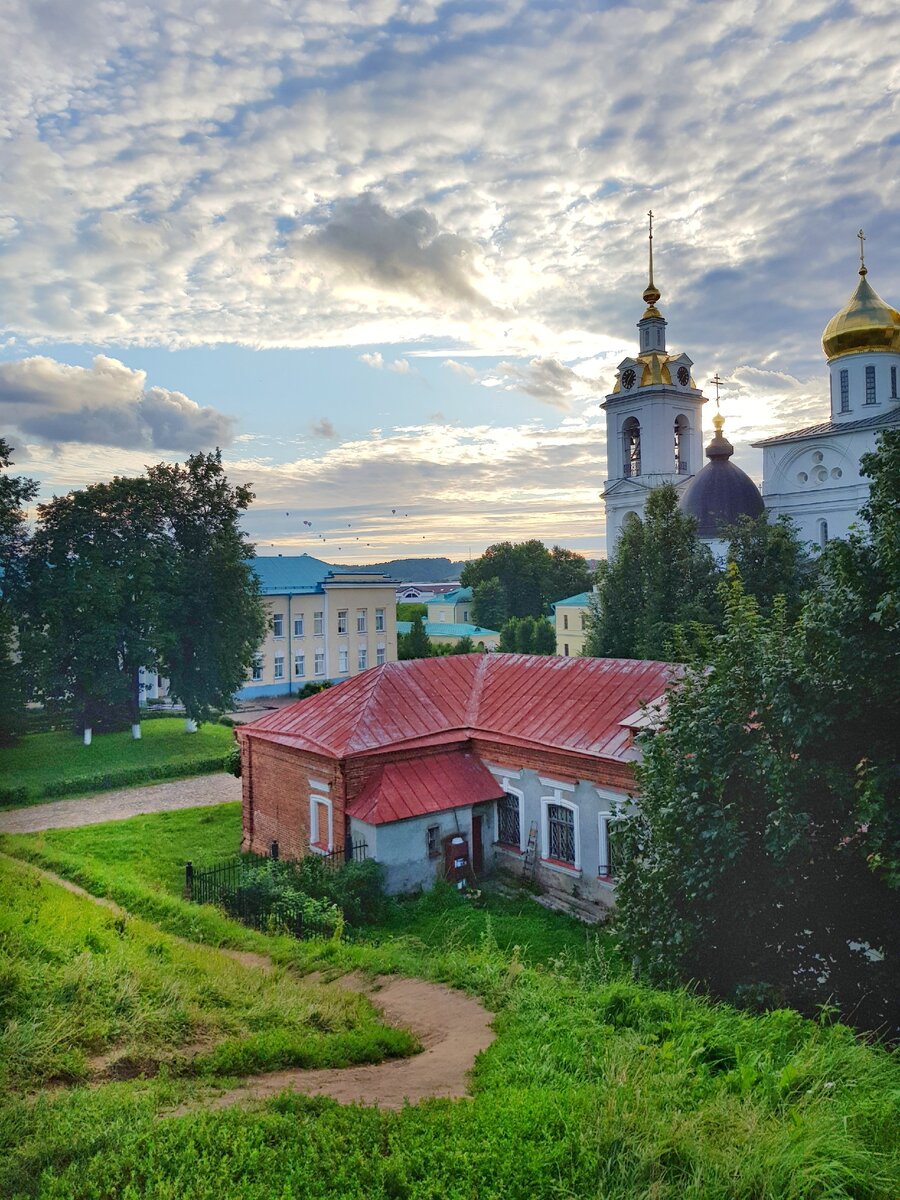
(290, 653)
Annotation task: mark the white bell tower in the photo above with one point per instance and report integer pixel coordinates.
(654, 422)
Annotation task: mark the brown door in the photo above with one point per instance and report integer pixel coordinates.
(477, 853)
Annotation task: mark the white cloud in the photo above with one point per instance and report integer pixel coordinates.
(107, 404)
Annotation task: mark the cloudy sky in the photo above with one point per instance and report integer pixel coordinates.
(387, 253)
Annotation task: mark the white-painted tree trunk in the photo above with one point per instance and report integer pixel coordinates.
(190, 725)
(136, 732)
(88, 734)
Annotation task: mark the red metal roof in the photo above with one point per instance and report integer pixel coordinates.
(573, 704)
(427, 784)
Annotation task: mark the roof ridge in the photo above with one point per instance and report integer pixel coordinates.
(373, 687)
(470, 716)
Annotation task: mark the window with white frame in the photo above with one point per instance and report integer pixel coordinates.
(380, 656)
(343, 620)
(560, 837)
(279, 666)
(608, 846)
(343, 660)
(299, 665)
(256, 670)
(361, 620)
(379, 620)
(509, 820)
(278, 624)
(320, 823)
(298, 626)
(433, 841)
(318, 622)
(362, 658)
(320, 662)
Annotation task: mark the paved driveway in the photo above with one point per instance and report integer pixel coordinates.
(116, 806)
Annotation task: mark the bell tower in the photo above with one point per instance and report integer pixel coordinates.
(654, 422)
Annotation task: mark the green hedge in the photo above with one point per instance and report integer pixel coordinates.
(128, 777)
(42, 721)
(14, 795)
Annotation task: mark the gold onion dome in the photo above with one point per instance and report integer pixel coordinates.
(865, 323)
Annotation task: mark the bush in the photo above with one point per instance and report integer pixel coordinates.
(356, 887)
(14, 795)
(129, 777)
(232, 761)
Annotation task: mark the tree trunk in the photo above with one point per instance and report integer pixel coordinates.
(134, 703)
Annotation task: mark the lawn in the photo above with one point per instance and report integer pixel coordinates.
(54, 764)
(595, 1087)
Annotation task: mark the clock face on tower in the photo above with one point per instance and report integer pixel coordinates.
(684, 376)
(628, 378)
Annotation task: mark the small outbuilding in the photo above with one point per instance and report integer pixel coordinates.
(472, 761)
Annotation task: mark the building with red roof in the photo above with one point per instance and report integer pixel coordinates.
(476, 760)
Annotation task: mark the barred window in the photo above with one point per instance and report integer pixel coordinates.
(561, 833)
(609, 846)
(509, 828)
(433, 841)
(845, 391)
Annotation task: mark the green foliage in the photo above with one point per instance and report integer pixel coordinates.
(530, 575)
(544, 637)
(772, 561)
(408, 610)
(660, 584)
(745, 866)
(56, 764)
(212, 618)
(414, 644)
(465, 645)
(232, 761)
(16, 492)
(489, 605)
(527, 635)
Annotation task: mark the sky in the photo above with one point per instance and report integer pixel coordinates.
(387, 254)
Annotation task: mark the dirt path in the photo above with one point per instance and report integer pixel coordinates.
(452, 1027)
(197, 792)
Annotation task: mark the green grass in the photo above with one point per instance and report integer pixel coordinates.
(595, 1087)
(59, 764)
(79, 981)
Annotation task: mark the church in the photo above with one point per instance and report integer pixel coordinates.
(654, 430)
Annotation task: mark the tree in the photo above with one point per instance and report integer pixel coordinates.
(745, 867)
(530, 575)
(16, 492)
(661, 579)
(211, 619)
(415, 644)
(544, 637)
(772, 561)
(95, 568)
(509, 636)
(489, 607)
(465, 645)
(525, 635)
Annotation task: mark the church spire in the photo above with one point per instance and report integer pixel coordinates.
(651, 291)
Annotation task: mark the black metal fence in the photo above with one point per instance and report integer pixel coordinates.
(238, 886)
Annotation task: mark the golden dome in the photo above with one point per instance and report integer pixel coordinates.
(865, 323)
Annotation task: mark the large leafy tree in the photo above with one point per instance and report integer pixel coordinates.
(531, 576)
(772, 561)
(16, 493)
(96, 564)
(415, 644)
(749, 865)
(211, 618)
(661, 579)
(489, 607)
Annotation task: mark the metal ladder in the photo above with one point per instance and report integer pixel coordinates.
(530, 861)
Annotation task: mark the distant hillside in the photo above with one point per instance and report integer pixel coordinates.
(416, 570)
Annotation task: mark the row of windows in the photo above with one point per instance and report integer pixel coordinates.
(343, 619)
(871, 392)
(566, 621)
(362, 662)
(560, 836)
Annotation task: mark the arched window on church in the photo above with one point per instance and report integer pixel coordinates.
(681, 445)
(823, 534)
(631, 446)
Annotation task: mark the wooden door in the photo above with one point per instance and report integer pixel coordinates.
(477, 851)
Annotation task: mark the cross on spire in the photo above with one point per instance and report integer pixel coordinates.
(862, 253)
(718, 382)
(651, 291)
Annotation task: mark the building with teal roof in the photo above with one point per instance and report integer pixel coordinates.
(570, 620)
(454, 631)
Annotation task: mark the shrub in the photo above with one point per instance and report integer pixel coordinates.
(14, 795)
(232, 761)
(130, 776)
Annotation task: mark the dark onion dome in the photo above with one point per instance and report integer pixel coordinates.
(721, 493)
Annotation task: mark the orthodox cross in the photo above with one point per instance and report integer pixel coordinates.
(718, 382)
(862, 252)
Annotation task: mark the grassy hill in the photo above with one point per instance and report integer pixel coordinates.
(594, 1087)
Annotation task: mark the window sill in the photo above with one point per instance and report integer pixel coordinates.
(508, 849)
(554, 864)
(319, 848)
(609, 880)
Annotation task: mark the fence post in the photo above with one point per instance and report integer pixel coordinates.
(348, 847)
(188, 880)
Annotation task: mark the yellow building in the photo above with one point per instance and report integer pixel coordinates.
(324, 624)
(453, 608)
(571, 624)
